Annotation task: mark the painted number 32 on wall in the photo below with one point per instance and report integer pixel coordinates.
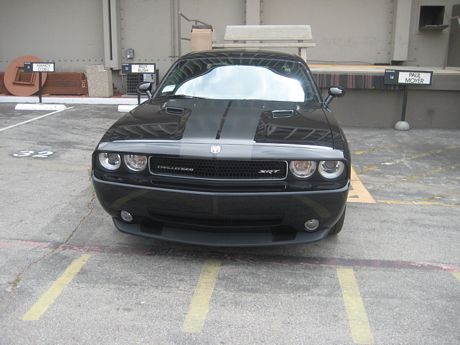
(33, 154)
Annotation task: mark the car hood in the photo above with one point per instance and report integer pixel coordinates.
(222, 120)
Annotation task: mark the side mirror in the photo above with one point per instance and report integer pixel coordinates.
(337, 91)
(333, 92)
(145, 88)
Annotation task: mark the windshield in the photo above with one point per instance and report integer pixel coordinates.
(245, 79)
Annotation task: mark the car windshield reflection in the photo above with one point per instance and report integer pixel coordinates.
(243, 83)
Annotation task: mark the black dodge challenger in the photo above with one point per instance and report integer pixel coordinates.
(234, 148)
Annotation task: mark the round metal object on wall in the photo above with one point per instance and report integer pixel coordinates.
(19, 83)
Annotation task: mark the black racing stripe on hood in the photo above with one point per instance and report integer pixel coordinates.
(222, 121)
(208, 120)
(205, 118)
(242, 120)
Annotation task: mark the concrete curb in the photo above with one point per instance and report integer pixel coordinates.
(126, 108)
(32, 106)
(71, 100)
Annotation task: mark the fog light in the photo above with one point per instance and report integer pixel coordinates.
(126, 216)
(311, 224)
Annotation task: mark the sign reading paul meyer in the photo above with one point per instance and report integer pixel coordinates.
(401, 77)
(413, 77)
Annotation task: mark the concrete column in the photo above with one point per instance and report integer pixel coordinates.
(110, 20)
(253, 12)
(401, 29)
(175, 35)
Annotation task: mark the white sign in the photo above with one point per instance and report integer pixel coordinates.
(148, 77)
(143, 68)
(414, 77)
(42, 67)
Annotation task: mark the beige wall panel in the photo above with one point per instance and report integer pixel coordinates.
(218, 13)
(66, 31)
(402, 15)
(345, 31)
(145, 26)
(428, 48)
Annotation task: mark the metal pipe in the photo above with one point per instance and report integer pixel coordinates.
(180, 15)
(403, 115)
(192, 20)
(179, 30)
(40, 86)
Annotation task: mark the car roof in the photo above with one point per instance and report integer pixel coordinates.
(240, 53)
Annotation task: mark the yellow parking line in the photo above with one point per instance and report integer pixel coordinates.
(357, 317)
(456, 275)
(199, 306)
(376, 149)
(357, 192)
(48, 298)
(416, 203)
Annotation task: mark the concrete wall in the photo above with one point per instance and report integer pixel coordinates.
(66, 31)
(145, 26)
(381, 109)
(229, 13)
(453, 58)
(344, 31)
(428, 48)
(149, 26)
(71, 32)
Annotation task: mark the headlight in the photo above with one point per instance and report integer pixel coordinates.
(110, 160)
(302, 169)
(331, 169)
(135, 162)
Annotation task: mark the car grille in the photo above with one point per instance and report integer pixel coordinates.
(218, 169)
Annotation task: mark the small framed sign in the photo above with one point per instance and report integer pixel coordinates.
(39, 67)
(142, 68)
(415, 78)
(402, 77)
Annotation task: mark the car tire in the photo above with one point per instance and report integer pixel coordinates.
(338, 226)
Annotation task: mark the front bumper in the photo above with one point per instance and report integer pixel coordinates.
(221, 218)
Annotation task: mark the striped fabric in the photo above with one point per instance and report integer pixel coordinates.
(352, 81)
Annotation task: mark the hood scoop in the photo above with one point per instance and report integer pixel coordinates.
(282, 113)
(174, 110)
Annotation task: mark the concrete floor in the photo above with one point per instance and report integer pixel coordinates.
(390, 277)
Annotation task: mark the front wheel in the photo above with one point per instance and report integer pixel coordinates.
(338, 226)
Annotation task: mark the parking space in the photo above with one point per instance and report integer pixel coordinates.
(10, 117)
(68, 277)
(409, 169)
